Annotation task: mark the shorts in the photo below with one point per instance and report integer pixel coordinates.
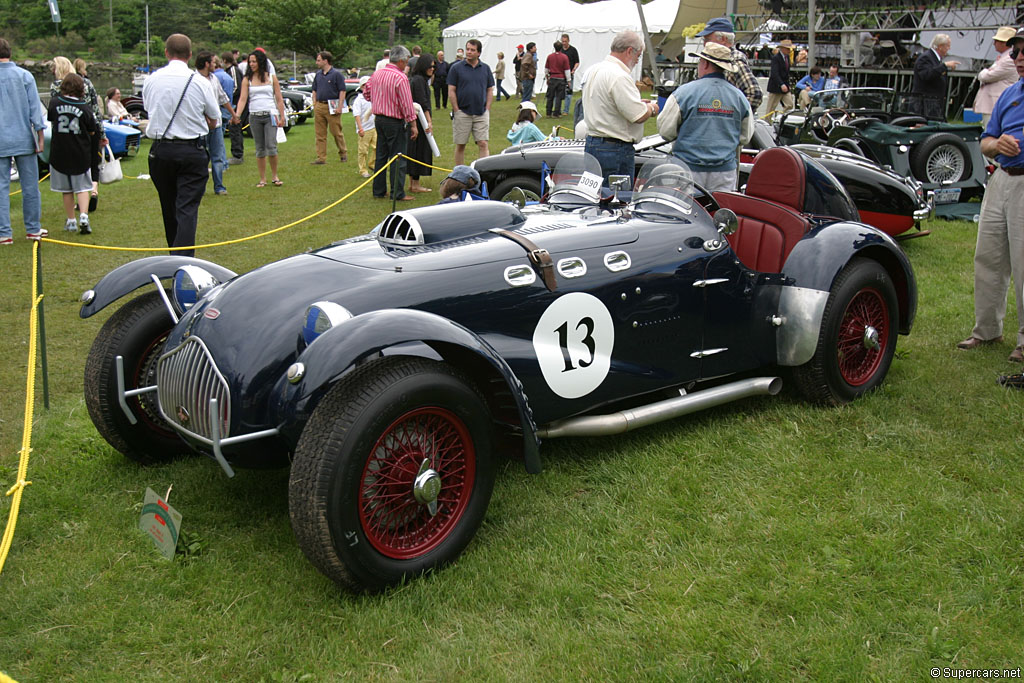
(464, 123)
(62, 182)
(264, 133)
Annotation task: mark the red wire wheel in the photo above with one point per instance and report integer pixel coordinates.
(395, 523)
(858, 362)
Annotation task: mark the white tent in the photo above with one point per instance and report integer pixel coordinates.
(590, 27)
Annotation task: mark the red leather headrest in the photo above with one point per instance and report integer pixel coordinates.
(779, 176)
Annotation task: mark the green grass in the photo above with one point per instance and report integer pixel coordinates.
(765, 540)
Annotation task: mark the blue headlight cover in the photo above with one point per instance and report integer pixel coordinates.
(320, 317)
(190, 284)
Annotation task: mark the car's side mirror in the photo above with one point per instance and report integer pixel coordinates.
(517, 197)
(726, 223)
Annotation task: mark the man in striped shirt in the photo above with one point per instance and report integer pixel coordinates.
(389, 94)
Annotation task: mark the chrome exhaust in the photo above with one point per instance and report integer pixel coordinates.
(628, 420)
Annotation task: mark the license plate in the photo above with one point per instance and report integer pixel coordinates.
(947, 195)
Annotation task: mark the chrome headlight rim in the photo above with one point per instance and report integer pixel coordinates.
(190, 285)
(321, 317)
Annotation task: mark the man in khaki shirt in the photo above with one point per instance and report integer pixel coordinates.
(613, 111)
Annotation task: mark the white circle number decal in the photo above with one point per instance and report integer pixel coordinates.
(573, 341)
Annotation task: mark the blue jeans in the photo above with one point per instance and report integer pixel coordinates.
(218, 157)
(527, 90)
(31, 205)
(616, 158)
(568, 95)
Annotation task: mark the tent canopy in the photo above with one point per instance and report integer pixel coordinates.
(590, 27)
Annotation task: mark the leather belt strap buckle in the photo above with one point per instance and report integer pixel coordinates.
(539, 257)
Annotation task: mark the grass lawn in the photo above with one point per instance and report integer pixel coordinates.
(764, 540)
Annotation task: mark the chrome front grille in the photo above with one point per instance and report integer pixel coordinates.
(187, 379)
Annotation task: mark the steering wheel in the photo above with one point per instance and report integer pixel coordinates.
(830, 118)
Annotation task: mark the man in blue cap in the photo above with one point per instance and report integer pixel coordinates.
(720, 31)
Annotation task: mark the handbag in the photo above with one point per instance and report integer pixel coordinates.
(110, 167)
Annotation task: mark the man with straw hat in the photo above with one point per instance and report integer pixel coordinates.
(778, 79)
(996, 78)
(709, 118)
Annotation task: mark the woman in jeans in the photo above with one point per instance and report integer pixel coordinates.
(262, 93)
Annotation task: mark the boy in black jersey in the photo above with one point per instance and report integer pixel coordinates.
(74, 143)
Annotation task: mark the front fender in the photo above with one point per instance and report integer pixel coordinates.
(135, 274)
(811, 268)
(338, 351)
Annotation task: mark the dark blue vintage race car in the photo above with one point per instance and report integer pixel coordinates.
(391, 370)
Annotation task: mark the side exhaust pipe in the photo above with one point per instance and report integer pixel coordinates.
(628, 420)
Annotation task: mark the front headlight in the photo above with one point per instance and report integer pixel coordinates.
(191, 283)
(320, 317)
(307, 101)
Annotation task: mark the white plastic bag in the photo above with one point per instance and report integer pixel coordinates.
(110, 167)
(281, 137)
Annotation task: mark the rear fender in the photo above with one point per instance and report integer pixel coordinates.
(396, 332)
(129, 277)
(812, 267)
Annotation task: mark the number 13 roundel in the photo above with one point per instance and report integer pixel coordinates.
(573, 341)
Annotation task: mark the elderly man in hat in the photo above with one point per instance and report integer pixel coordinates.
(709, 118)
(999, 252)
(720, 31)
(996, 78)
(778, 79)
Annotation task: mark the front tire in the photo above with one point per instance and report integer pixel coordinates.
(529, 185)
(355, 496)
(137, 333)
(857, 339)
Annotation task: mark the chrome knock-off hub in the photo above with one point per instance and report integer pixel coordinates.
(427, 486)
(871, 338)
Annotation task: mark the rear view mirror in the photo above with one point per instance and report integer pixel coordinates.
(726, 221)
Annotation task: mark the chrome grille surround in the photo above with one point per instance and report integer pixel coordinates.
(187, 378)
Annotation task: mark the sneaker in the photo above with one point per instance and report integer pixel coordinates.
(37, 235)
(71, 225)
(365, 175)
(221, 192)
(83, 224)
(233, 161)
(6, 241)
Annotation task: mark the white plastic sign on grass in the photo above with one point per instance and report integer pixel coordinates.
(161, 522)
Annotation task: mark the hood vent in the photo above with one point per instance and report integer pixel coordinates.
(446, 222)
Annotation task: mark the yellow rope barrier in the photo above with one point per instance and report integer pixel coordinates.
(4, 678)
(40, 180)
(423, 163)
(236, 241)
(26, 431)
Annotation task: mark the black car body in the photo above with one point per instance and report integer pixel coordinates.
(884, 199)
(389, 369)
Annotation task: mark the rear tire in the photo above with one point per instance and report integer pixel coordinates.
(941, 158)
(352, 494)
(137, 333)
(862, 311)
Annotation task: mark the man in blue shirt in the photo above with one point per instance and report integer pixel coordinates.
(999, 253)
(328, 89)
(470, 84)
(21, 138)
(709, 119)
(809, 84)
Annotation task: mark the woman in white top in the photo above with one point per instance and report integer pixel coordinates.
(115, 109)
(262, 92)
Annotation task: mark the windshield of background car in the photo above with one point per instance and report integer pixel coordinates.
(877, 99)
(576, 181)
(664, 187)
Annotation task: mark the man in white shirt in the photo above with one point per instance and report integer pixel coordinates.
(215, 139)
(612, 108)
(182, 110)
(383, 61)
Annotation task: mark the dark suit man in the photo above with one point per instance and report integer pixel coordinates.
(778, 79)
(929, 86)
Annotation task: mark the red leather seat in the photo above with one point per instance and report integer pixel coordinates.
(770, 213)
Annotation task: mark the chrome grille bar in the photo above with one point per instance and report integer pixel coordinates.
(187, 380)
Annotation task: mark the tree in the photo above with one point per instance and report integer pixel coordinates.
(308, 26)
(430, 34)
